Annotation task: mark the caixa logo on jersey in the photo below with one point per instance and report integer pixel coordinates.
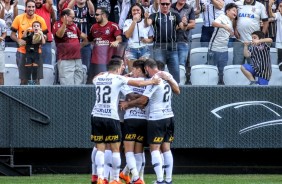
(251, 116)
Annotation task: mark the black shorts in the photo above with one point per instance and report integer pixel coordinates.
(105, 130)
(21, 61)
(135, 130)
(160, 131)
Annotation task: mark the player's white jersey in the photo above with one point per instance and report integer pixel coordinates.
(159, 100)
(135, 112)
(108, 87)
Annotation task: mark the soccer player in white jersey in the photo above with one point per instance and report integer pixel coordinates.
(105, 120)
(135, 126)
(160, 120)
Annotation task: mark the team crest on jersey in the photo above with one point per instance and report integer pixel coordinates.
(107, 31)
(253, 9)
(171, 18)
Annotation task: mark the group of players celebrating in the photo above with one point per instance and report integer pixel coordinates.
(148, 119)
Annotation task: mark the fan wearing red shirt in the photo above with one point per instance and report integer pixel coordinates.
(106, 36)
(67, 36)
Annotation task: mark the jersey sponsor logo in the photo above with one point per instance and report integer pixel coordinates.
(71, 35)
(158, 139)
(97, 138)
(101, 42)
(166, 111)
(111, 138)
(140, 138)
(106, 111)
(247, 15)
(137, 112)
(130, 136)
(171, 139)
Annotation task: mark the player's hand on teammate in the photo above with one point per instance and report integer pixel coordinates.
(123, 105)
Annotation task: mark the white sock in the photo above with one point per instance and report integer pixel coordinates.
(93, 154)
(131, 164)
(99, 161)
(168, 165)
(108, 163)
(162, 155)
(141, 173)
(157, 164)
(125, 171)
(138, 158)
(116, 162)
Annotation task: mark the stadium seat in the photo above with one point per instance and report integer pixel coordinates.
(11, 75)
(273, 56)
(230, 56)
(21, 9)
(232, 75)
(204, 75)
(53, 57)
(198, 27)
(182, 74)
(10, 55)
(196, 41)
(48, 75)
(182, 71)
(276, 77)
(84, 68)
(198, 56)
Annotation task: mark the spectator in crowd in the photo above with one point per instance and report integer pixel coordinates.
(154, 7)
(186, 12)
(67, 36)
(106, 36)
(84, 12)
(260, 65)
(105, 120)
(34, 40)
(277, 16)
(193, 3)
(108, 5)
(250, 13)
(160, 127)
(3, 33)
(44, 10)
(211, 10)
(23, 22)
(219, 41)
(165, 24)
(8, 13)
(271, 32)
(137, 34)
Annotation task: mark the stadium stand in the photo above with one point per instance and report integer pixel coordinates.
(10, 55)
(48, 75)
(204, 75)
(232, 75)
(198, 27)
(195, 41)
(198, 56)
(273, 56)
(276, 77)
(11, 75)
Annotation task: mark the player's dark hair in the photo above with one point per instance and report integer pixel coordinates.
(114, 64)
(151, 63)
(230, 6)
(161, 65)
(260, 34)
(139, 64)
